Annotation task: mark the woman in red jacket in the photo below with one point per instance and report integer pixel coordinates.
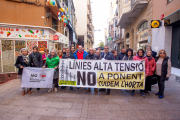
(140, 56)
(152, 67)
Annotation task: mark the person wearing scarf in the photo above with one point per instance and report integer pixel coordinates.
(21, 62)
(140, 56)
(52, 61)
(152, 68)
(36, 59)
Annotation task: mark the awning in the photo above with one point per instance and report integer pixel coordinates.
(174, 17)
(136, 9)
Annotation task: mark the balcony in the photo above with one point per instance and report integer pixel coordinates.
(89, 34)
(130, 11)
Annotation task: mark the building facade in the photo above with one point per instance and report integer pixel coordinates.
(135, 17)
(84, 26)
(28, 24)
(167, 35)
(115, 33)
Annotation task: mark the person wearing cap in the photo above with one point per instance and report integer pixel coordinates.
(21, 62)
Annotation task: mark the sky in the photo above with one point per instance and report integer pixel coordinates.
(100, 13)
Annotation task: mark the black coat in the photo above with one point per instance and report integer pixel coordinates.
(20, 62)
(39, 59)
(154, 54)
(121, 56)
(109, 56)
(94, 57)
(164, 68)
(71, 56)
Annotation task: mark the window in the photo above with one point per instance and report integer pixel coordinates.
(127, 35)
(168, 1)
(54, 23)
(143, 26)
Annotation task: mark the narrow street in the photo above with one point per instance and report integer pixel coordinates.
(80, 105)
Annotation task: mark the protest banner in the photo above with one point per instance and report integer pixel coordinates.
(37, 77)
(102, 74)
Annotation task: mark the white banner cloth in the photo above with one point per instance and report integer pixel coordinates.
(37, 77)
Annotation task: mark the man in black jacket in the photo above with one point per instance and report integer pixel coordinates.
(122, 54)
(68, 55)
(154, 54)
(91, 56)
(106, 55)
(72, 50)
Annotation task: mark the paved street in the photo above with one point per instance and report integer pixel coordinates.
(79, 105)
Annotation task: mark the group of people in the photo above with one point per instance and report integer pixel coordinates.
(156, 65)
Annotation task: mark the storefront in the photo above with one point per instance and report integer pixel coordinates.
(15, 37)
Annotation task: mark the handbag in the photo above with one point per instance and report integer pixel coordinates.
(154, 80)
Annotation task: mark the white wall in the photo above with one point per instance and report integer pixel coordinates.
(162, 38)
(81, 15)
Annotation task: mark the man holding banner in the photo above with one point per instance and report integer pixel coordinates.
(67, 56)
(106, 55)
(92, 56)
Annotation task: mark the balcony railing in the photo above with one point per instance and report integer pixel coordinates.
(133, 2)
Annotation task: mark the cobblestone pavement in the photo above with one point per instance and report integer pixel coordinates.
(79, 105)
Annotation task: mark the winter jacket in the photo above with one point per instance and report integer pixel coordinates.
(152, 66)
(165, 68)
(71, 56)
(94, 57)
(39, 59)
(52, 63)
(146, 63)
(116, 57)
(84, 55)
(121, 56)
(109, 56)
(20, 62)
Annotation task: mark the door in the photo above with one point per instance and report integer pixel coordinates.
(8, 56)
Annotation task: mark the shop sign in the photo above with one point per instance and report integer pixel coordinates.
(55, 37)
(144, 35)
(155, 23)
(62, 38)
(166, 22)
(26, 33)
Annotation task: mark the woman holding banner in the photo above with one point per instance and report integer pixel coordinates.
(140, 56)
(52, 61)
(36, 59)
(152, 67)
(128, 54)
(163, 71)
(21, 62)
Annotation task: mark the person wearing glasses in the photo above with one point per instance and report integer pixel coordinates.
(163, 71)
(106, 55)
(52, 61)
